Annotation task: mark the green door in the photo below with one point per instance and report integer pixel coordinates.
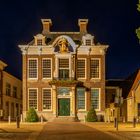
(63, 107)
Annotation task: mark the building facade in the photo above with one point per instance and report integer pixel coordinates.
(129, 107)
(10, 95)
(63, 73)
(133, 100)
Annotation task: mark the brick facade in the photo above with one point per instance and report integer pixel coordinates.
(75, 51)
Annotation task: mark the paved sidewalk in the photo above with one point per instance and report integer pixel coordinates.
(72, 131)
(125, 130)
(27, 131)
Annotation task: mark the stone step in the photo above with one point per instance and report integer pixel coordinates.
(65, 119)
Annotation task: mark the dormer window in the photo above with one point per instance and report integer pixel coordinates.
(39, 42)
(88, 42)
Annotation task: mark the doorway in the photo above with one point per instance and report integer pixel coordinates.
(64, 107)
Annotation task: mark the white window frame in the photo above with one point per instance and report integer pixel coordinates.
(39, 42)
(85, 67)
(62, 56)
(99, 109)
(85, 101)
(37, 97)
(88, 39)
(42, 68)
(28, 68)
(51, 100)
(99, 68)
(58, 68)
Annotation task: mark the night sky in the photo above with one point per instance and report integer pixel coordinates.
(112, 22)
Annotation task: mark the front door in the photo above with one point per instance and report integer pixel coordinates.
(63, 107)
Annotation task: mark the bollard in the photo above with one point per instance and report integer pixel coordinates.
(9, 119)
(41, 119)
(21, 118)
(85, 119)
(134, 122)
(18, 122)
(115, 122)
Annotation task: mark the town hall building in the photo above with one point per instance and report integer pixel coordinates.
(63, 73)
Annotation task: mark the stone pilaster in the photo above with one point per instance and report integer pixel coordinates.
(73, 102)
(54, 101)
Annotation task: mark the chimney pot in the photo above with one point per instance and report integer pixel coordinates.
(83, 25)
(46, 25)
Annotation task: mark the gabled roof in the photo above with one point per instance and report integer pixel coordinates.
(135, 82)
(126, 84)
(2, 65)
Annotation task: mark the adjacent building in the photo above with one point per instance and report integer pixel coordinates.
(133, 99)
(129, 90)
(10, 94)
(63, 73)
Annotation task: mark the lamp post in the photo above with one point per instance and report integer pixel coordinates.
(118, 102)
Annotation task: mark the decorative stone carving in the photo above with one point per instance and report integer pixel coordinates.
(63, 45)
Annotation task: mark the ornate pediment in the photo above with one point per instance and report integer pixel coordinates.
(64, 44)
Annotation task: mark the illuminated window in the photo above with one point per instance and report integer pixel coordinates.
(39, 42)
(95, 98)
(81, 98)
(47, 102)
(81, 68)
(88, 42)
(63, 68)
(46, 68)
(32, 68)
(94, 68)
(32, 98)
(8, 89)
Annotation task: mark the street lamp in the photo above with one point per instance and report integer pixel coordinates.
(118, 102)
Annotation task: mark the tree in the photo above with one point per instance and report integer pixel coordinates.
(138, 29)
(31, 115)
(91, 115)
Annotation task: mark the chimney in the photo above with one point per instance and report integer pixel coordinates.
(46, 25)
(83, 25)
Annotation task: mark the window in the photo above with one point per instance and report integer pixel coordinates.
(7, 109)
(81, 98)
(32, 98)
(63, 68)
(8, 89)
(15, 92)
(47, 99)
(12, 110)
(39, 41)
(88, 42)
(94, 68)
(95, 98)
(32, 68)
(81, 68)
(46, 68)
(139, 109)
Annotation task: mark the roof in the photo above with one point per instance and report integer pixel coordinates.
(126, 84)
(51, 36)
(2, 65)
(135, 81)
